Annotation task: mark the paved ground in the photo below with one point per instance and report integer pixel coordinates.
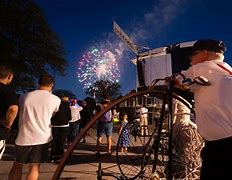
(83, 163)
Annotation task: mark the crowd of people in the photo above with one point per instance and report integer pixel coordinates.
(47, 120)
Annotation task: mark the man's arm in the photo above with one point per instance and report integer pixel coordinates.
(10, 116)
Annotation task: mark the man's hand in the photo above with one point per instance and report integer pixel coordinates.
(10, 116)
(182, 86)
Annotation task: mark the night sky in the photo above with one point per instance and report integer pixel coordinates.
(82, 24)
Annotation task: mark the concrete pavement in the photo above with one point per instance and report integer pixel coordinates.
(83, 163)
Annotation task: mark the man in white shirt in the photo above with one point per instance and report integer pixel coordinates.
(34, 136)
(213, 106)
(74, 122)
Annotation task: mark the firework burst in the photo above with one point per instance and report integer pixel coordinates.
(98, 64)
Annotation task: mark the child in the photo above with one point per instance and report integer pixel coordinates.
(115, 116)
(124, 139)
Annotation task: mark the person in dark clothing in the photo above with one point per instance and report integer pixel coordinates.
(60, 129)
(8, 105)
(85, 117)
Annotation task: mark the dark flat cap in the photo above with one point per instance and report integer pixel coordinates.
(105, 101)
(209, 45)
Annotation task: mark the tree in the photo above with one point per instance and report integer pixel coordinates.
(28, 44)
(104, 89)
(64, 92)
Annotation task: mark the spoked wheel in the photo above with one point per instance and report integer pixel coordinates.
(148, 157)
(129, 161)
(152, 156)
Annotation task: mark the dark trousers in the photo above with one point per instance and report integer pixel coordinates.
(58, 143)
(217, 160)
(73, 130)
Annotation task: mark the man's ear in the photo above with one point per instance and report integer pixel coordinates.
(204, 55)
(51, 86)
(9, 78)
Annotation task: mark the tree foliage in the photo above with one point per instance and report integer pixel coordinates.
(67, 93)
(28, 43)
(104, 89)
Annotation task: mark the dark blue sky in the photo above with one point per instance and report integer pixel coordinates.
(81, 24)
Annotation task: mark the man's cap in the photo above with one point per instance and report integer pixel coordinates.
(209, 45)
(105, 101)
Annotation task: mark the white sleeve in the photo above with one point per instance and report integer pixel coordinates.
(79, 108)
(58, 105)
(188, 73)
